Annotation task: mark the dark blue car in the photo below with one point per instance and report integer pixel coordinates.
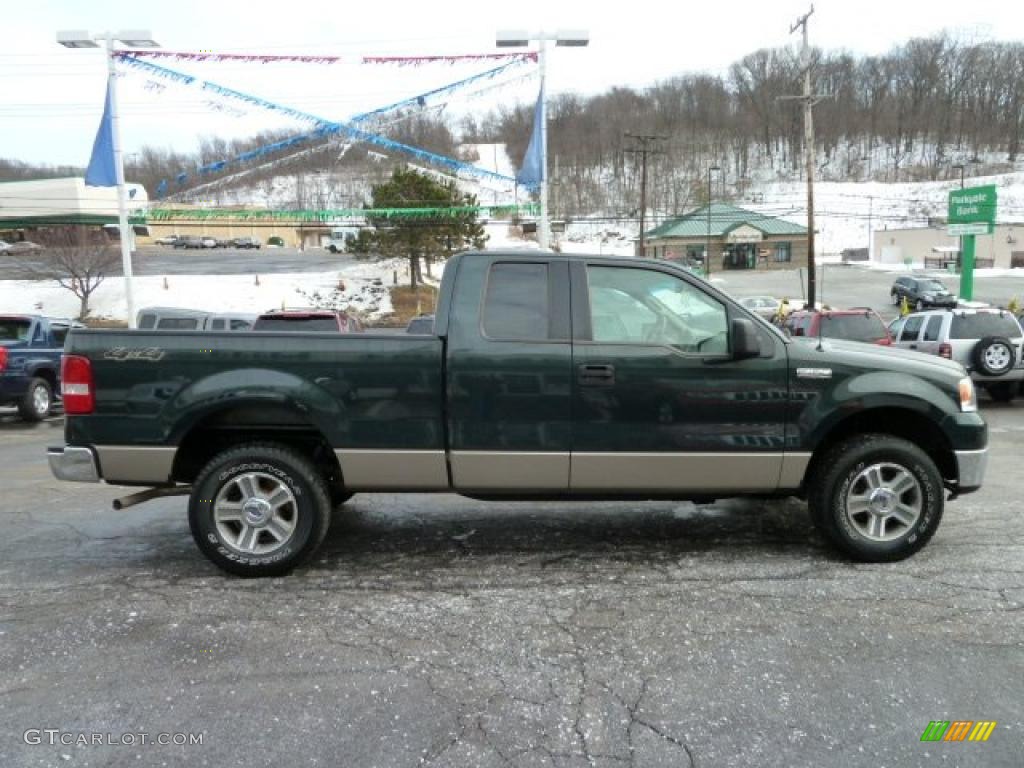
(30, 353)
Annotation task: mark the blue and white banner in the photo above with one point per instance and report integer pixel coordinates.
(102, 171)
(327, 127)
(533, 171)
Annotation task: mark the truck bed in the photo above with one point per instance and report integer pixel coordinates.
(366, 391)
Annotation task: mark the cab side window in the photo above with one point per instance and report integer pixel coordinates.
(517, 304)
(912, 328)
(59, 333)
(932, 329)
(643, 306)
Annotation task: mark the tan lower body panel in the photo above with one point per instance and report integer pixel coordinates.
(383, 470)
(794, 467)
(510, 471)
(671, 472)
(135, 464)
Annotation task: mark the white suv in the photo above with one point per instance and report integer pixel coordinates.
(989, 343)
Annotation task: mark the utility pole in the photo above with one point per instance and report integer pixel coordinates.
(644, 145)
(871, 216)
(809, 100)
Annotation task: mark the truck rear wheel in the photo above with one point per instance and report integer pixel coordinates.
(37, 402)
(259, 510)
(876, 497)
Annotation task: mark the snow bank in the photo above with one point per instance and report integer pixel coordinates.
(214, 293)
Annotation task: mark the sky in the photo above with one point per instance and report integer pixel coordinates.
(51, 98)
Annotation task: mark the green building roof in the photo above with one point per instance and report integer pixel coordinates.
(724, 219)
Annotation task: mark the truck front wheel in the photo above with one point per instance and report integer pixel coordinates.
(876, 497)
(259, 510)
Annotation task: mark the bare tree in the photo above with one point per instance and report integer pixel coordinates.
(78, 260)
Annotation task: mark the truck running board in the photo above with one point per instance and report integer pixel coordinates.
(148, 495)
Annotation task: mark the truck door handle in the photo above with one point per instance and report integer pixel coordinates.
(596, 375)
(913, 346)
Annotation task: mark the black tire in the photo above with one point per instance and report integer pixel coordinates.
(332, 249)
(837, 471)
(980, 355)
(309, 509)
(37, 403)
(1003, 392)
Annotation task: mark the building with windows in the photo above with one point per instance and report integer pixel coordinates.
(935, 247)
(739, 239)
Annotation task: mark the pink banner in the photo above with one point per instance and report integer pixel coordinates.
(414, 61)
(249, 57)
(262, 58)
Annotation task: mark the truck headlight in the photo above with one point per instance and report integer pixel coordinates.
(968, 396)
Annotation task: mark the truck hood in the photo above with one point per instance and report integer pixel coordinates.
(872, 357)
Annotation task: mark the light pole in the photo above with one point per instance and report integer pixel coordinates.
(517, 38)
(135, 38)
(707, 245)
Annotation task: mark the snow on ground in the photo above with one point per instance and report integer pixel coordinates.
(844, 211)
(213, 293)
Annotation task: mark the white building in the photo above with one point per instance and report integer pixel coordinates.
(1003, 249)
(29, 205)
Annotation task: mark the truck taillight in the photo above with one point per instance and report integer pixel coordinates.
(3, 358)
(76, 385)
(946, 351)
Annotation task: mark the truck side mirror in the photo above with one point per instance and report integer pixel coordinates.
(745, 343)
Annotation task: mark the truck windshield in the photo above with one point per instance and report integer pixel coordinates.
(13, 329)
(983, 324)
(853, 327)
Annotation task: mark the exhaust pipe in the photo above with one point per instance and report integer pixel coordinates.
(148, 495)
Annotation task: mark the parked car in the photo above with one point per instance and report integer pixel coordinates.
(180, 319)
(30, 353)
(299, 320)
(423, 324)
(224, 242)
(168, 240)
(188, 241)
(230, 322)
(558, 376)
(22, 246)
(248, 242)
(764, 306)
(921, 292)
(209, 242)
(987, 342)
(4, 245)
(859, 324)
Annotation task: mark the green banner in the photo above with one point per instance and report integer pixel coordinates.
(339, 215)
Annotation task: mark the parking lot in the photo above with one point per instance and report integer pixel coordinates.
(435, 630)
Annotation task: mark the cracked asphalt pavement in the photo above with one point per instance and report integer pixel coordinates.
(440, 631)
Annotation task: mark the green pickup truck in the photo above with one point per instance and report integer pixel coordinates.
(547, 377)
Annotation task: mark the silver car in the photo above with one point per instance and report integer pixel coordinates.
(989, 343)
(765, 306)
